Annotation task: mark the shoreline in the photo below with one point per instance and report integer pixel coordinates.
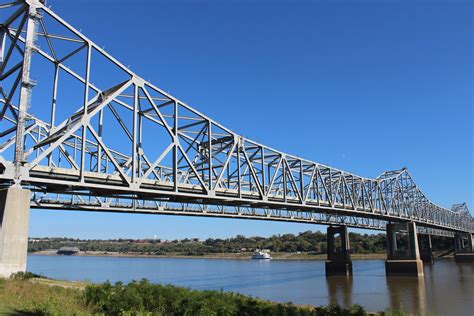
(62, 296)
(229, 256)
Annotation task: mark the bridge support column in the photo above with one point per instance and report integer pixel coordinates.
(426, 248)
(14, 218)
(338, 251)
(403, 254)
(463, 247)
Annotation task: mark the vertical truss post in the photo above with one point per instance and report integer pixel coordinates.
(302, 197)
(134, 134)
(3, 35)
(175, 147)
(86, 101)
(100, 132)
(209, 131)
(264, 190)
(25, 93)
(239, 181)
(53, 106)
(285, 184)
(140, 150)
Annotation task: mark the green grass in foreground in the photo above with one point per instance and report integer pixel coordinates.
(22, 296)
(33, 296)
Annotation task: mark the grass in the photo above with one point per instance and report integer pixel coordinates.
(40, 297)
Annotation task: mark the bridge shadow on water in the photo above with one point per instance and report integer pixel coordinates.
(407, 293)
(445, 289)
(340, 290)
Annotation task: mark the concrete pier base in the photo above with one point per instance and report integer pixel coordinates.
(338, 268)
(404, 267)
(338, 251)
(403, 254)
(426, 249)
(463, 247)
(14, 218)
(464, 257)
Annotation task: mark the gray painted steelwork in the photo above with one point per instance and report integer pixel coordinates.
(102, 138)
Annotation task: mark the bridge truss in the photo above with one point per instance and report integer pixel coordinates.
(96, 136)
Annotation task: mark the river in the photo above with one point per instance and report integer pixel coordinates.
(446, 289)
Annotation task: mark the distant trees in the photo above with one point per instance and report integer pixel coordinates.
(367, 243)
(311, 242)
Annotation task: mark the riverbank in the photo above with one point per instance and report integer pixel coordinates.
(39, 296)
(234, 256)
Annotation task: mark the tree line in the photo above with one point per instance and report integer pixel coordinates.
(308, 242)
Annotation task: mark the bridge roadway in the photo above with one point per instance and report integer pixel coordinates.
(111, 141)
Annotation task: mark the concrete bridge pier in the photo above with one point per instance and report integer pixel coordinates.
(14, 218)
(463, 247)
(338, 251)
(426, 248)
(403, 254)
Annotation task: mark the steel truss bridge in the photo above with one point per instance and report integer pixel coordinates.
(96, 136)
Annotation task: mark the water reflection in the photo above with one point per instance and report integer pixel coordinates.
(465, 275)
(407, 293)
(428, 269)
(339, 290)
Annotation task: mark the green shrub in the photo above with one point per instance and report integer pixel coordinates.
(25, 275)
(140, 297)
(393, 312)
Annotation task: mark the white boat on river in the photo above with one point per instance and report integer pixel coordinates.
(261, 254)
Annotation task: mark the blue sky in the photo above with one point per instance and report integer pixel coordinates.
(364, 86)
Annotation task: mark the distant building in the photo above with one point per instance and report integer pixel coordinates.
(68, 251)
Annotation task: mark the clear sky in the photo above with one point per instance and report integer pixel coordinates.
(364, 86)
